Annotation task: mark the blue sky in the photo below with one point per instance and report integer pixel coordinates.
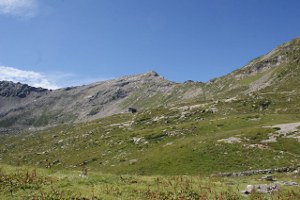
(59, 43)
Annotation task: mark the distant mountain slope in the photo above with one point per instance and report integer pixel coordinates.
(22, 106)
(273, 71)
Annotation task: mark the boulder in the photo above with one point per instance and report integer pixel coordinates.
(268, 178)
(137, 140)
(260, 188)
(288, 183)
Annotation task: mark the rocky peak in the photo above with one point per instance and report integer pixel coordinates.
(150, 76)
(151, 73)
(8, 88)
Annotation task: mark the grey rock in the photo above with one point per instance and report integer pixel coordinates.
(288, 183)
(260, 188)
(256, 172)
(268, 178)
(133, 161)
(137, 140)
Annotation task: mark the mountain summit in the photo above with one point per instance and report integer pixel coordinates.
(10, 89)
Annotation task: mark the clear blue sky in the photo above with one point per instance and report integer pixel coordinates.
(79, 41)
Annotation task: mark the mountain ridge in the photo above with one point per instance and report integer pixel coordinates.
(23, 106)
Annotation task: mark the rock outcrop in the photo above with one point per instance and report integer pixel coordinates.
(10, 89)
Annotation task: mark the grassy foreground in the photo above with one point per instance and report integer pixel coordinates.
(35, 183)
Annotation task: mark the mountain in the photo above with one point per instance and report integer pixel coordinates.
(274, 71)
(248, 119)
(23, 106)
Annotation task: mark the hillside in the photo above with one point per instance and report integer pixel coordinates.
(23, 106)
(262, 93)
(246, 120)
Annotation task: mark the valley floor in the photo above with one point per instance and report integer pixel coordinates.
(35, 183)
(163, 153)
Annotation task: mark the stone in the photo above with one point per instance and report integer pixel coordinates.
(230, 140)
(137, 140)
(83, 174)
(55, 162)
(268, 178)
(133, 161)
(260, 188)
(168, 144)
(214, 110)
(288, 183)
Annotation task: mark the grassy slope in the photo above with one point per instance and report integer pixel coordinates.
(173, 144)
(34, 183)
(172, 140)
